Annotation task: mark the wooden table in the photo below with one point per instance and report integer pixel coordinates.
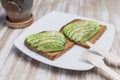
(14, 65)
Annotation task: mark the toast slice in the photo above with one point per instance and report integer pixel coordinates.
(93, 39)
(53, 55)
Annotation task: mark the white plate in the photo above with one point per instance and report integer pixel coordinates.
(71, 59)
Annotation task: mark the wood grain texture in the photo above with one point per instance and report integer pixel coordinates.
(14, 65)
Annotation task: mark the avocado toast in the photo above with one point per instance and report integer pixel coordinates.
(50, 44)
(80, 31)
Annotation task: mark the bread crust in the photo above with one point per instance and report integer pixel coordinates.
(93, 39)
(53, 55)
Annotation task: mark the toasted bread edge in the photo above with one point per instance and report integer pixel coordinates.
(52, 55)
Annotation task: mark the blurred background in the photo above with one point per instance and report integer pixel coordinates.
(14, 65)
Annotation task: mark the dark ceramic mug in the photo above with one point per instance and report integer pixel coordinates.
(18, 10)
